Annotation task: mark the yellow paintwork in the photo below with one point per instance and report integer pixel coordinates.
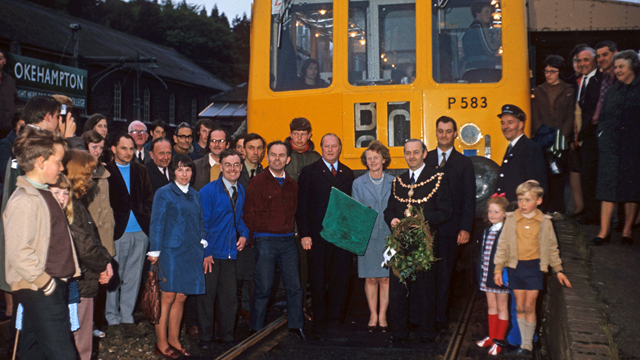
(331, 109)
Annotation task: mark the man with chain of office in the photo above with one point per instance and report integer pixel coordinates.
(423, 188)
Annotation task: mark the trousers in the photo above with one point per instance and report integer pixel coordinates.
(219, 303)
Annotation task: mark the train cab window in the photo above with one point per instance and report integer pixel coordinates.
(467, 41)
(301, 45)
(382, 42)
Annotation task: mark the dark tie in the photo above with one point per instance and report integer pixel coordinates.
(253, 172)
(444, 159)
(413, 178)
(333, 170)
(234, 195)
(140, 157)
(606, 84)
(508, 151)
(583, 89)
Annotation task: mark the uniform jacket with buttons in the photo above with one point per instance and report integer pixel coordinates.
(524, 162)
(271, 207)
(97, 203)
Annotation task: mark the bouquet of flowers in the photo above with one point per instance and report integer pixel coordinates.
(411, 246)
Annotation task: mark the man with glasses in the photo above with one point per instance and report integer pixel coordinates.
(222, 205)
(183, 137)
(207, 169)
(138, 131)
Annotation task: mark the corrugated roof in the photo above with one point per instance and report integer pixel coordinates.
(45, 28)
(238, 93)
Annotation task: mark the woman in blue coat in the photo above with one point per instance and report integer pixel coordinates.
(176, 238)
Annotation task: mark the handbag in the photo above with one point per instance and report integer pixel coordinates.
(151, 295)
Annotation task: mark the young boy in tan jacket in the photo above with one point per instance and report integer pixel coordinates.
(40, 255)
(526, 247)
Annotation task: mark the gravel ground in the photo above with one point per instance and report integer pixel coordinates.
(615, 269)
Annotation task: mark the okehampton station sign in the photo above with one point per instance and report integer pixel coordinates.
(36, 77)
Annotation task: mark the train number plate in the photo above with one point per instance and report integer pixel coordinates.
(467, 102)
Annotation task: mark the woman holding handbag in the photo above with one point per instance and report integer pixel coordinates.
(176, 245)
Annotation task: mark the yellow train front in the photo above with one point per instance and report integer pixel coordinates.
(387, 70)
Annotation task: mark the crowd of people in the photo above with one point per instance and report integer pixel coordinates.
(204, 210)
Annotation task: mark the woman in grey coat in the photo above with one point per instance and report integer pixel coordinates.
(373, 190)
(619, 147)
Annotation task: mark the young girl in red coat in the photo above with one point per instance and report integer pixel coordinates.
(497, 296)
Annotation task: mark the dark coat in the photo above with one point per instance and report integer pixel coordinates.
(490, 283)
(437, 210)
(315, 185)
(271, 207)
(93, 257)
(561, 115)
(524, 162)
(157, 178)
(5, 152)
(619, 144)
(244, 175)
(300, 160)
(202, 173)
(588, 105)
(147, 157)
(139, 201)
(462, 185)
(8, 99)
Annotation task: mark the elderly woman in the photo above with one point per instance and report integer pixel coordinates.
(619, 146)
(373, 190)
(176, 238)
(553, 104)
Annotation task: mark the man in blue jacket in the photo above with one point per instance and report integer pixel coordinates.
(222, 203)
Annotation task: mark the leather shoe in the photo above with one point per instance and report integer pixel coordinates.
(193, 332)
(182, 351)
(597, 241)
(204, 345)
(372, 328)
(520, 352)
(300, 334)
(384, 328)
(627, 240)
(169, 353)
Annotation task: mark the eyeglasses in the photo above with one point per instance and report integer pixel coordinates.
(216, 141)
(138, 132)
(183, 137)
(232, 166)
(551, 71)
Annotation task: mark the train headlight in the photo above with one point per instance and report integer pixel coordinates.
(470, 134)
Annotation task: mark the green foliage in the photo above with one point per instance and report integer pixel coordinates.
(413, 242)
(209, 41)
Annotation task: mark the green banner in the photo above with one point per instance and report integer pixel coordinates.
(36, 77)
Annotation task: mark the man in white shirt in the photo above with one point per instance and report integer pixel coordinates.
(138, 131)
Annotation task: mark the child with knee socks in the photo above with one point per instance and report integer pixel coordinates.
(527, 247)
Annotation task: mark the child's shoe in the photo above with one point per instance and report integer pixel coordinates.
(486, 342)
(495, 350)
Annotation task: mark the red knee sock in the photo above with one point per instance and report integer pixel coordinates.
(493, 325)
(501, 328)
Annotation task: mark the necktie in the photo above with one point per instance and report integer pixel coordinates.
(413, 178)
(165, 172)
(234, 195)
(333, 170)
(583, 89)
(606, 84)
(140, 156)
(508, 151)
(444, 159)
(253, 172)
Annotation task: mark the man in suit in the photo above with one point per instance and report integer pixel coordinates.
(130, 195)
(138, 131)
(437, 210)
(328, 264)
(158, 169)
(523, 160)
(254, 153)
(222, 206)
(462, 185)
(207, 168)
(588, 95)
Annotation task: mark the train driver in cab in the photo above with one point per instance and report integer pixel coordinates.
(481, 42)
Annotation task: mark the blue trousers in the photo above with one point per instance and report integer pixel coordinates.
(268, 252)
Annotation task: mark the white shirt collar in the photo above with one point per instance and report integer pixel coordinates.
(448, 152)
(185, 188)
(416, 173)
(162, 171)
(140, 153)
(335, 164)
(515, 141)
(228, 185)
(211, 160)
(497, 226)
(278, 177)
